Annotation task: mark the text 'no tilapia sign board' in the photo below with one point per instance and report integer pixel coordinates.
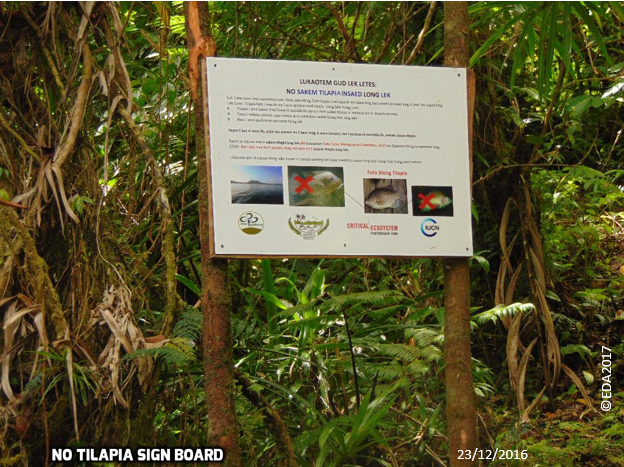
(332, 159)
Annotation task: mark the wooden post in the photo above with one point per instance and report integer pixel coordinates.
(460, 395)
(216, 297)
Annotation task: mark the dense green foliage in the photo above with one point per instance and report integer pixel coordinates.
(348, 352)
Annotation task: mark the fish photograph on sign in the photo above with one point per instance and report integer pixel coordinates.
(432, 201)
(385, 196)
(257, 184)
(316, 186)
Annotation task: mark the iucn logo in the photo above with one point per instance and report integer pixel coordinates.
(429, 227)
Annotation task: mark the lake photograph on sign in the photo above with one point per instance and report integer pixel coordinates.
(253, 184)
(316, 186)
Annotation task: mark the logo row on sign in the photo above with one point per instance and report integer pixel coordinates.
(252, 223)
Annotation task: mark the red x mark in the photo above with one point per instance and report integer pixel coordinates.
(426, 201)
(303, 184)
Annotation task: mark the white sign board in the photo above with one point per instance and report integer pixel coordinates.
(334, 159)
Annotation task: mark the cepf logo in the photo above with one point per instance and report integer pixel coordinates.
(429, 227)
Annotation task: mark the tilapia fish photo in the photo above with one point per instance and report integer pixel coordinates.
(385, 196)
(432, 201)
(316, 186)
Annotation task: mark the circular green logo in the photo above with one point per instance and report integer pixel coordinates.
(251, 223)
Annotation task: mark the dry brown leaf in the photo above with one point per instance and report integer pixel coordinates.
(522, 373)
(513, 337)
(115, 312)
(527, 412)
(70, 375)
(87, 8)
(9, 336)
(579, 384)
(18, 316)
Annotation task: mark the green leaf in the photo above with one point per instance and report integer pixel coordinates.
(484, 263)
(325, 434)
(315, 284)
(505, 28)
(614, 90)
(546, 58)
(79, 202)
(579, 9)
(519, 56)
(475, 213)
(578, 105)
(588, 377)
(552, 295)
(272, 299)
(618, 10)
(575, 348)
(566, 45)
(189, 283)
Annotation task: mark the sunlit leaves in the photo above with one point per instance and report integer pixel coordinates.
(543, 37)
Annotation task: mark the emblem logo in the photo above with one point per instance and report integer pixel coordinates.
(250, 223)
(308, 227)
(429, 227)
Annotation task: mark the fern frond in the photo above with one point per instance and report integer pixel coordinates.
(418, 367)
(404, 352)
(431, 353)
(423, 336)
(378, 298)
(177, 352)
(387, 371)
(439, 32)
(34, 383)
(383, 314)
(190, 325)
(503, 311)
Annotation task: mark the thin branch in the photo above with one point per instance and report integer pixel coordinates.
(423, 33)
(12, 204)
(8, 128)
(357, 17)
(46, 52)
(355, 375)
(78, 111)
(174, 304)
(292, 38)
(390, 33)
(617, 138)
(350, 42)
(514, 166)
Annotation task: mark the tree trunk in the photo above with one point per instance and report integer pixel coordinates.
(216, 298)
(460, 398)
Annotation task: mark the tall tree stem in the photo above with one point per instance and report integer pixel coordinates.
(460, 395)
(216, 297)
